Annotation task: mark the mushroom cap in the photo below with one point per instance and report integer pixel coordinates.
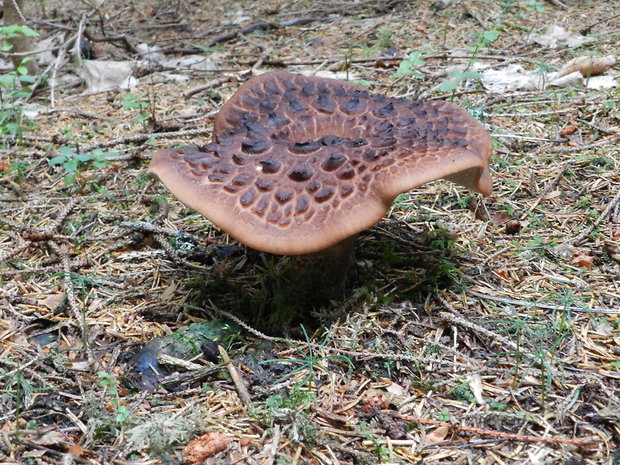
(298, 164)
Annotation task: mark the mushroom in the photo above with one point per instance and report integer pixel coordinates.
(300, 165)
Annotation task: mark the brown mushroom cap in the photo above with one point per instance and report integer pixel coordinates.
(298, 164)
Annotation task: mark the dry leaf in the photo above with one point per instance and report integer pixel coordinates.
(375, 400)
(394, 388)
(52, 438)
(76, 450)
(583, 259)
(568, 130)
(588, 66)
(52, 301)
(502, 273)
(513, 227)
(564, 250)
(205, 446)
(500, 217)
(437, 435)
(101, 76)
(475, 385)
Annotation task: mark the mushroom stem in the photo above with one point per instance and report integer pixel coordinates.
(321, 276)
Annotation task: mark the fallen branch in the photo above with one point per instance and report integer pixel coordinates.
(586, 442)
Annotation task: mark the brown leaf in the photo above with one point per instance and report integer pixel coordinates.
(437, 435)
(502, 272)
(52, 301)
(568, 130)
(53, 438)
(375, 400)
(205, 446)
(513, 227)
(588, 66)
(500, 217)
(76, 450)
(583, 259)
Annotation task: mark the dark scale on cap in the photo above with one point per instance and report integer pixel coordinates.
(276, 121)
(232, 188)
(198, 173)
(268, 105)
(384, 129)
(301, 173)
(331, 140)
(270, 166)
(224, 169)
(370, 155)
(339, 90)
(254, 146)
(241, 179)
(353, 105)
(461, 131)
(324, 194)
(305, 147)
(346, 190)
(313, 186)
(249, 101)
(323, 88)
(216, 177)
(264, 186)
(346, 174)
(284, 195)
(325, 104)
(307, 90)
(302, 204)
(247, 198)
(291, 86)
(261, 206)
(295, 106)
(202, 164)
(334, 161)
(274, 216)
(272, 88)
(386, 142)
(207, 148)
(239, 160)
(406, 122)
(195, 158)
(386, 111)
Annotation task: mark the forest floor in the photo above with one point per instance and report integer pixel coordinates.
(474, 329)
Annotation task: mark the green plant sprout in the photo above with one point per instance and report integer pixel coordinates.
(380, 450)
(309, 358)
(71, 160)
(455, 78)
(444, 415)
(132, 102)
(14, 84)
(385, 37)
(408, 66)
(108, 382)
